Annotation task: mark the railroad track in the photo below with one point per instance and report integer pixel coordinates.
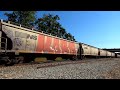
(58, 63)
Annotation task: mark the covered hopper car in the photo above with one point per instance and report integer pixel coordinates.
(20, 44)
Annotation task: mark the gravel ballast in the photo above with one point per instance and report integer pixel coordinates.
(94, 69)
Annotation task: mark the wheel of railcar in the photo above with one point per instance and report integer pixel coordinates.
(19, 59)
(10, 62)
(28, 59)
(83, 56)
(74, 58)
(6, 61)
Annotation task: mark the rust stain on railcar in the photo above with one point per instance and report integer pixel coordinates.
(64, 47)
(68, 47)
(56, 46)
(40, 44)
(47, 45)
(72, 48)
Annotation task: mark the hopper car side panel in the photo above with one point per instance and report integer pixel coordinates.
(0, 39)
(60, 44)
(86, 49)
(47, 45)
(108, 53)
(102, 52)
(94, 51)
(25, 41)
(77, 48)
(40, 44)
(89, 51)
(72, 48)
(64, 47)
(20, 39)
(118, 55)
(113, 54)
(56, 46)
(68, 47)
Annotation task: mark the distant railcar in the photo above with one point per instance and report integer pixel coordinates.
(118, 56)
(103, 53)
(109, 54)
(89, 51)
(113, 54)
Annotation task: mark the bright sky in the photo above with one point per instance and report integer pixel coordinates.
(97, 28)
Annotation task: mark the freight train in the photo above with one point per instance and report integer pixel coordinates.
(21, 44)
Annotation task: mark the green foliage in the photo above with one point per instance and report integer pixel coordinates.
(49, 24)
(26, 18)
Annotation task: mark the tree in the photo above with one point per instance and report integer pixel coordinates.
(49, 24)
(26, 18)
(70, 37)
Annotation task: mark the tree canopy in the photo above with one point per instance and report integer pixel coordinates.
(48, 23)
(26, 18)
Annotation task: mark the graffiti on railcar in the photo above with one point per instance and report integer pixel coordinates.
(30, 40)
(25, 35)
(18, 42)
(21, 39)
(30, 45)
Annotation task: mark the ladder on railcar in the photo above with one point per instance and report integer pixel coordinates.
(3, 45)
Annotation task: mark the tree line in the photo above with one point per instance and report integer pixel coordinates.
(48, 23)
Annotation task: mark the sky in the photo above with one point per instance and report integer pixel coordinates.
(96, 28)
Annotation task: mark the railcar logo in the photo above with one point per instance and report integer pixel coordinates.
(25, 35)
(32, 37)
